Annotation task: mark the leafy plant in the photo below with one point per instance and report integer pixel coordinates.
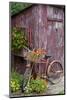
(16, 81)
(18, 6)
(19, 39)
(38, 86)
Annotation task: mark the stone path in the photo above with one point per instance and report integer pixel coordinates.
(56, 88)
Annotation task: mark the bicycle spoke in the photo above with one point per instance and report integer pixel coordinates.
(55, 70)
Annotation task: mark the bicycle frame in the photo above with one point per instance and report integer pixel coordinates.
(43, 61)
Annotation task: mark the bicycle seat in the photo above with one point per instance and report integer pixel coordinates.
(46, 57)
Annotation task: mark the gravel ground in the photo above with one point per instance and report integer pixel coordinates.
(56, 88)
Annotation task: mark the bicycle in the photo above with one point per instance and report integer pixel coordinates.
(54, 70)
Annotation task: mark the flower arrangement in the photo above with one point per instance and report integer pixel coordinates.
(36, 54)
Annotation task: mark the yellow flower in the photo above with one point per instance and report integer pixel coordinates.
(42, 86)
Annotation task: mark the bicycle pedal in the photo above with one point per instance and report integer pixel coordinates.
(44, 77)
(59, 71)
(28, 65)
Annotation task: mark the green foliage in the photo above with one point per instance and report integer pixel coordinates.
(38, 86)
(19, 39)
(16, 81)
(18, 6)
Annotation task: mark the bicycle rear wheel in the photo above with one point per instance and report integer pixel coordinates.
(55, 71)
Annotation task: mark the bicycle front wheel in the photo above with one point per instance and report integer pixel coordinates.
(55, 71)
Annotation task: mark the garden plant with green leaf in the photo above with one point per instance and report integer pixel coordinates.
(36, 86)
(19, 39)
(16, 81)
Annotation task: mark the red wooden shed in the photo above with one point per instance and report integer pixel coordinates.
(45, 25)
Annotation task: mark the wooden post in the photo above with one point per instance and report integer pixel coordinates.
(30, 37)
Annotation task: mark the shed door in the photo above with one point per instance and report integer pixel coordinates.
(55, 40)
(55, 33)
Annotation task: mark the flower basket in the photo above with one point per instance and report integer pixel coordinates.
(35, 55)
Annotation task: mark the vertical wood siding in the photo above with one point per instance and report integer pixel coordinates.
(55, 33)
(47, 26)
